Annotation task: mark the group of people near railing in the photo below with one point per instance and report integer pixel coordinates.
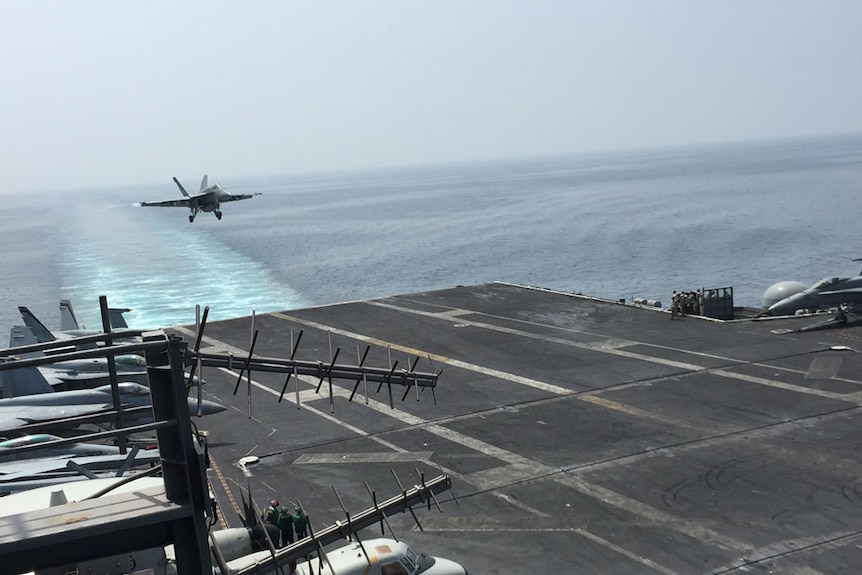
(685, 303)
(287, 522)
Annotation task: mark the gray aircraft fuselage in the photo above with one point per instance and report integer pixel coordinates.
(828, 292)
(17, 411)
(53, 451)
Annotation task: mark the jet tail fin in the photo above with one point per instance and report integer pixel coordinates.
(42, 333)
(68, 321)
(24, 381)
(204, 184)
(180, 186)
(116, 319)
(22, 335)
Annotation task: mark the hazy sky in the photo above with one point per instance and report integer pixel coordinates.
(99, 93)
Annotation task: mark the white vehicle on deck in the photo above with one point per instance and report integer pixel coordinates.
(385, 557)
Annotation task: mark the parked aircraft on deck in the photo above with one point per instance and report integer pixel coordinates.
(49, 463)
(208, 199)
(370, 557)
(50, 450)
(69, 322)
(827, 293)
(29, 398)
(79, 373)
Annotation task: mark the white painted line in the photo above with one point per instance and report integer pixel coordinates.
(785, 386)
(612, 346)
(547, 387)
(324, 415)
(372, 457)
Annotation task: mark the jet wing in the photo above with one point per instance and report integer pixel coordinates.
(10, 422)
(181, 203)
(22, 469)
(235, 197)
(14, 416)
(187, 201)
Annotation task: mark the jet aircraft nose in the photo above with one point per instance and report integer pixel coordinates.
(445, 566)
(789, 305)
(207, 407)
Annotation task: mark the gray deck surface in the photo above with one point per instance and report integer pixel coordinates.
(583, 436)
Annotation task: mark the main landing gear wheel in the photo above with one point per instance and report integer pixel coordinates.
(191, 219)
(218, 215)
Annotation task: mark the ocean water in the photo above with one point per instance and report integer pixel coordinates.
(614, 225)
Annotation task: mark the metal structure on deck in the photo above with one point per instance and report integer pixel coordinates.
(423, 492)
(123, 523)
(179, 513)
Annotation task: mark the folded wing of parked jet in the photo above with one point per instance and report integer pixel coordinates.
(15, 416)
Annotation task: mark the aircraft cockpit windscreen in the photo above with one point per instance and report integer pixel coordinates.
(825, 283)
(425, 563)
(28, 440)
(410, 560)
(131, 388)
(131, 359)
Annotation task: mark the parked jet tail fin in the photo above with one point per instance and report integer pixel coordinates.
(42, 333)
(68, 321)
(204, 184)
(22, 335)
(24, 381)
(180, 186)
(116, 319)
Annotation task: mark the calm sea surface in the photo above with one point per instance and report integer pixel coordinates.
(615, 225)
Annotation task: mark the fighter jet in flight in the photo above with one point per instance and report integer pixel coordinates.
(208, 199)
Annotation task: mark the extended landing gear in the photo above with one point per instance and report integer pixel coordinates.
(839, 319)
(191, 218)
(841, 314)
(218, 215)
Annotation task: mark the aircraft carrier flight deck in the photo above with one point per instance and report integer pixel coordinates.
(581, 435)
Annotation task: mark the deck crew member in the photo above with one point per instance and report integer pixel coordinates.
(285, 525)
(300, 523)
(674, 305)
(270, 519)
